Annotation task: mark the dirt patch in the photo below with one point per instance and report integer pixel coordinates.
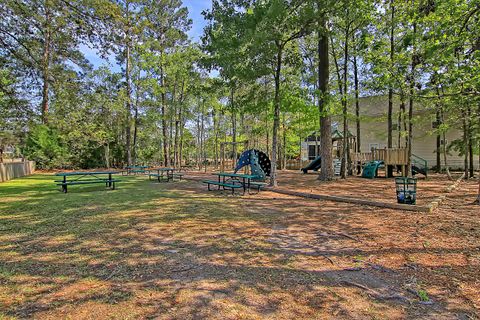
(378, 189)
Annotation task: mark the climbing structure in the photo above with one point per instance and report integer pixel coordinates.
(258, 161)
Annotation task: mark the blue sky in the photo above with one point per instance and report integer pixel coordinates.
(195, 8)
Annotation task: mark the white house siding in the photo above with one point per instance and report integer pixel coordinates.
(373, 126)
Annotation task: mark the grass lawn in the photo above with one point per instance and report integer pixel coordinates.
(176, 251)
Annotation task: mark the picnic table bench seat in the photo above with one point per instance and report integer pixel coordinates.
(178, 175)
(60, 182)
(88, 177)
(160, 177)
(135, 169)
(225, 185)
(258, 184)
(139, 171)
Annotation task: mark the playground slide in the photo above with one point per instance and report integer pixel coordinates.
(417, 170)
(314, 165)
(370, 169)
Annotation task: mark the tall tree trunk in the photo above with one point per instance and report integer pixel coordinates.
(182, 126)
(199, 141)
(234, 124)
(178, 122)
(326, 172)
(410, 131)
(478, 119)
(346, 138)
(46, 67)
(471, 169)
(390, 89)
(175, 151)
(107, 155)
(135, 125)
(128, 87)
(465, 143)
(171, 122)
(166, 148)
(276, 116)
(410, 102)
(438, 165)
(266, 120)
(357, 103)
(202, 137)
(284, 144)
(267, 137)
(216, 135)
(447, 169)
(403, 118)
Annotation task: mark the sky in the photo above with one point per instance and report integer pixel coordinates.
(195, 8)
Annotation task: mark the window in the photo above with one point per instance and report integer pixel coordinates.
(311, 152)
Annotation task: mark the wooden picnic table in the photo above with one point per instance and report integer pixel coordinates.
(86, 177)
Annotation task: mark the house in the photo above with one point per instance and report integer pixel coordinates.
(373, 133)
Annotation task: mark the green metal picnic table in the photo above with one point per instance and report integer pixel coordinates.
(235, 181)
(246, 179)
(162, 173)
(135, 169)
(86, 177)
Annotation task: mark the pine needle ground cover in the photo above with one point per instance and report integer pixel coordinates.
(176, 251)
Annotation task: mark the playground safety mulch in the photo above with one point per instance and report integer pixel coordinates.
(379, 189)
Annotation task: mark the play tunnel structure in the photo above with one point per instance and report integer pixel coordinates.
(258, 161)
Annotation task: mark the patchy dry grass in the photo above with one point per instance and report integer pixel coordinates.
(176, 251)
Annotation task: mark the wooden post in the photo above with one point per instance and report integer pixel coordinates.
(222, 157)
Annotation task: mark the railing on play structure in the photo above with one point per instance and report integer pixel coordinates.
(391, 156)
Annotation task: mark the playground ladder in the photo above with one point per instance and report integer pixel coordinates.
(420, 163)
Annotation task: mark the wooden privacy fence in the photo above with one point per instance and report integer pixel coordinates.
(12, 170)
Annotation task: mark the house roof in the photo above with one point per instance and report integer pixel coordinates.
(336, 135)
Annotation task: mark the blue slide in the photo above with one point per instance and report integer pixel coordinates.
(314, 165)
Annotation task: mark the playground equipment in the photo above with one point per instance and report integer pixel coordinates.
(370, 169)
(228, 159)
(314, 165)
(258, 161)
(419, 165)
(389, 157)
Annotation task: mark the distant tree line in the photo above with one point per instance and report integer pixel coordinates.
(285, 68)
